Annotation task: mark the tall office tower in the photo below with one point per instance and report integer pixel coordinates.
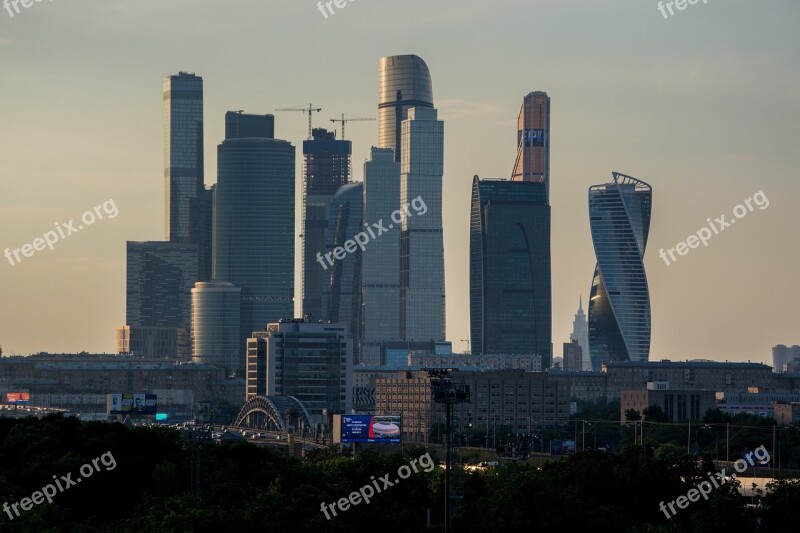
(510, 290)
(327, 168)
(533, 141)
(312, 362)
(215, 325)
(619, 304)
(403, 82)
(580, 333)
(784, 355)
(202, 227)
(422, 298)
(380, 260)
(160, 276)
(183, 152)
(239, 125)
(254, 226)
(341, 288)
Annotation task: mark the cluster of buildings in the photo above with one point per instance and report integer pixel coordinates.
(210, 308)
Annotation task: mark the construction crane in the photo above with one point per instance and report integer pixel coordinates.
(345, 120)
(308, 110)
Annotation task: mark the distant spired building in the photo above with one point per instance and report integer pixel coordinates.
(327, 168)
(533, 141)
(403, 82)
(254, 222)
(510, 290)
(580, 333)
(619, 304)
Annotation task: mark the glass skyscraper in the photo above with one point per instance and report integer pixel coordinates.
(510, 290)
(183, 151)
(422, 294)
(341, 288)
(533, 140)
(215, 325)
(327, 168)
(619, 303)
(254, 226)
(380, 261)
(403, 82)
(160, 276)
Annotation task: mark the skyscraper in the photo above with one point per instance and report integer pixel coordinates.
(380, 261)
(160, 276)
(510, 290)
(341, 287)
(580, 333)
(254, 225)
(619, 304)
(327, 168)
(533, 140)
(403, 82)
(215, 324)
(422, 294)
(183, 151)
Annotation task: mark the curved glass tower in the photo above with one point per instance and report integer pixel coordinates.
(619, 304)
(215, 324)
(510, 294)
(403, 82)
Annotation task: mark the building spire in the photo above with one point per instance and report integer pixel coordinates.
(580, 302)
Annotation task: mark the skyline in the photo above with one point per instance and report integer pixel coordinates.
(676, 128)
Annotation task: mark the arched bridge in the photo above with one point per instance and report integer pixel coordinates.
(275, 413)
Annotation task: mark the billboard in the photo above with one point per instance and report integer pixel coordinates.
(562, 447)
(371, 428)
(131, 404)
(18, 397)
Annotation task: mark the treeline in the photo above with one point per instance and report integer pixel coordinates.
(159, 483)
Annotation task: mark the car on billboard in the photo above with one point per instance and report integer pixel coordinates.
(371, 428)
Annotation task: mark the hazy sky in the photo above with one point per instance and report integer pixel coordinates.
(704, 106)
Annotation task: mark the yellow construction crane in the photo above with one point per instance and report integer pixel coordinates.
(345, 120)
(308, 110)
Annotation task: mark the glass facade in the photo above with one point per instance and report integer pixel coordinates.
(403, 82)
(380, 266)
(533, 140)
(160, 276)
(341, 288)
(422, 294)
(619, 303)
(510, 289)
(183, 152)
(327, 167)
(216, 324)
(254, 228)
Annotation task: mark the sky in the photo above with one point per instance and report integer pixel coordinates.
(703, 105)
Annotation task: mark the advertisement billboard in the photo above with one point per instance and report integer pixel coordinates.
(18, 397)
(371, 428)
(131, 404)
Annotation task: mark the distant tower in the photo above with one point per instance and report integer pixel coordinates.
(533, 141)
(215, 324)
(580, 333)
(422, 295)
(254, 231)
(327, 168)
(619, 303)
(403, 82)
